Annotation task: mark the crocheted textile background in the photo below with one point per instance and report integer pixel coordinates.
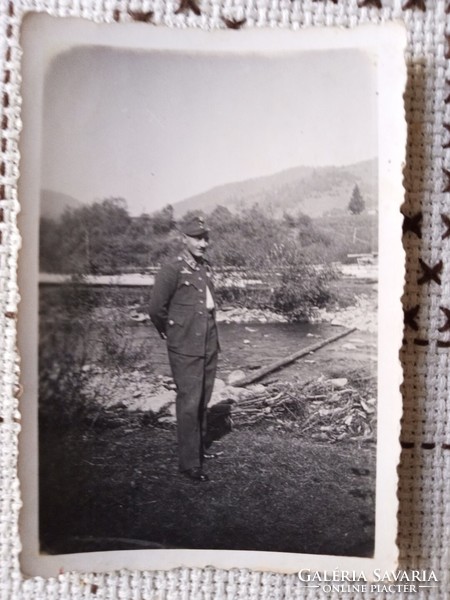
(424, 486)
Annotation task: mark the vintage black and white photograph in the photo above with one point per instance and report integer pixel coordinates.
(207, 298)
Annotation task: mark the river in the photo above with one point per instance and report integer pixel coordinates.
(256, 345)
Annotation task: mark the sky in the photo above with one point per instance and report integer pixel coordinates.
(156, 127)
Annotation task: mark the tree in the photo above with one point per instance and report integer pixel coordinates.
(222, 220)
(163, 220)
(91, 239)
(50, 243)
(289, 220)
(356, 205)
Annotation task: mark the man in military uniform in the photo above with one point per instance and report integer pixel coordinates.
(182, 308)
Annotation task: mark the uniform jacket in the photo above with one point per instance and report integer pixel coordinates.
(178, 304)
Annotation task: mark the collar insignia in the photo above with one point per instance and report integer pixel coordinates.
(188, 259)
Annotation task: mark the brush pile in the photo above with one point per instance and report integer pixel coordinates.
(328, 410)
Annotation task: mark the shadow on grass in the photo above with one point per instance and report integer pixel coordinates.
(219, 422)
(120, 489)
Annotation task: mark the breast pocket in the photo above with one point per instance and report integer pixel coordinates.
(186, 294)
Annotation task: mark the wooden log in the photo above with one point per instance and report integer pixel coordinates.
(290, 359)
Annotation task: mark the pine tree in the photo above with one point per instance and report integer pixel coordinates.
(356, 205)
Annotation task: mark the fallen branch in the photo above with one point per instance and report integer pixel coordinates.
(289, 359)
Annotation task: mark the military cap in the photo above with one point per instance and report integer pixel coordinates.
(195, 227)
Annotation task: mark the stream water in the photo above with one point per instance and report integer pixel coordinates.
(255, 345)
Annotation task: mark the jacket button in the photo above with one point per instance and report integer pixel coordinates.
(171, 322)
(200, 290)
(201, 302)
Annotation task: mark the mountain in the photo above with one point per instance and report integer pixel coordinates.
(53, 204)
(314, 191)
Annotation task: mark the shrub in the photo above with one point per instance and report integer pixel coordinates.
(63, 354)
(302, 290)
(76, 299)
(77, 343)
(245, 297)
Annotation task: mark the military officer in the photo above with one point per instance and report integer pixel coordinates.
(182, 308)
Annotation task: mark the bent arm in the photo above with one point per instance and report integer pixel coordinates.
(162, 293)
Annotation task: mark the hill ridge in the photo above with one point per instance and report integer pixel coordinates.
(313, 190)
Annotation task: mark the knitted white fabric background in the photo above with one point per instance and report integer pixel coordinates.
(424, 472)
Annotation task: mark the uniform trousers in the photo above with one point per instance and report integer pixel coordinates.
(194, 377)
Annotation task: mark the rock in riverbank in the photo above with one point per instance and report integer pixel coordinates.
(363, 315)
(249, 315)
